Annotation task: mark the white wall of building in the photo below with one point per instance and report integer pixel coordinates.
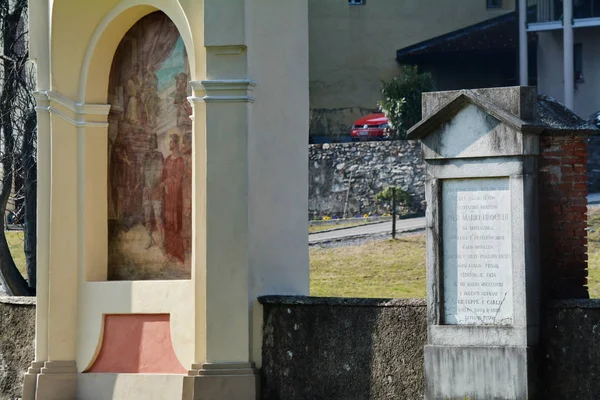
(550, 68)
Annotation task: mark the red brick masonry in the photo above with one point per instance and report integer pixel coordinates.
(563, 215)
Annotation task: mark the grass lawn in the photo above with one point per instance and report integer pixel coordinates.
(385, 268)
(396, 268)
(594, 252)
(15, 243)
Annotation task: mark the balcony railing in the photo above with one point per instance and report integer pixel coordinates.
(552, 10)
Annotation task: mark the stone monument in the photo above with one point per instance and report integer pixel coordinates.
(172, 192)
(482, 242)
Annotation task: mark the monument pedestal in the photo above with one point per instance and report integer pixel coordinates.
(482, 243)
(500, 372)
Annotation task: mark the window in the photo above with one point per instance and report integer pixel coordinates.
(578, 62)
(356, 2)
(494, 3)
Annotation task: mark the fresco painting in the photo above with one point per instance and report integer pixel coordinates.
(149, 155)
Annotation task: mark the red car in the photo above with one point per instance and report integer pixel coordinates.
(372, 126)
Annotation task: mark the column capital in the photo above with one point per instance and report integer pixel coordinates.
(77, 114)
(223, 91)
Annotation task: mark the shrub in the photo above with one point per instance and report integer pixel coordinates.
(401, 102)
(385, 196)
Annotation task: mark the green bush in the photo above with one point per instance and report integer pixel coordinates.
(385, 196)
(401, 102)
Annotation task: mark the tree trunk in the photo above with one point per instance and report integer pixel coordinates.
(10, 276)
(30, 194)
(13, 281)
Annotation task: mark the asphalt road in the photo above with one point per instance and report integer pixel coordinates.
(402, 225)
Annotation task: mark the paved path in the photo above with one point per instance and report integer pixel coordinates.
(402, 225)
(594, 198)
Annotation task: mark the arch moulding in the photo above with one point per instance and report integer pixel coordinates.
(107, 36)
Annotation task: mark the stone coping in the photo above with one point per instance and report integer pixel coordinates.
(339, 301)
(575, 303)
(18, 300)
(276, 300)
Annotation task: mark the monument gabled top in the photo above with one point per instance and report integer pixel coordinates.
(470, 124)
(457, 102)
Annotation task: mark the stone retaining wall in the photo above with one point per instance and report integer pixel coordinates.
(349, 176)
(343, 349)
(17, 334)
(355, 349)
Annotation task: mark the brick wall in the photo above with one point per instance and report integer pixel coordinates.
(563, 215)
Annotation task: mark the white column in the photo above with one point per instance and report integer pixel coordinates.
(523, 50)
(569, 73)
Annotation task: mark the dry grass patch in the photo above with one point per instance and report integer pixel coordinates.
(16, 241)
(594, 252)
(384, 268)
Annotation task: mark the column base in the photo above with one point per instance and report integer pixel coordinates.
(57, 381)
(30, 380)
(499, 372)
(235, 381)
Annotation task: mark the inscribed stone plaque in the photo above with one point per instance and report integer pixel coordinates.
(477, 259)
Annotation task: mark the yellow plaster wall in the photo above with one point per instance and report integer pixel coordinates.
(68, 17)
(100, 26)
(353, 47)
(62, 309)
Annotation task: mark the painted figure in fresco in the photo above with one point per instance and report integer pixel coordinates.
(152, 176)
(150, 171)
(121, 163)
(186, 229)
(172, 182)
(149, 96)
(184, 108)
(133, 93)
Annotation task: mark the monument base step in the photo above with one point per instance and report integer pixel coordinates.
(499, 372)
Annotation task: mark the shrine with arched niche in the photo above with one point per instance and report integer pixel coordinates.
(168, 195)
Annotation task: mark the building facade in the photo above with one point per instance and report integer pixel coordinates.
(569, 76)
(353, 46)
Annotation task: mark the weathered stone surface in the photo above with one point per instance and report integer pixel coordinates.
(358, 172)
(343, 349)
(17, 333)
(570, 351)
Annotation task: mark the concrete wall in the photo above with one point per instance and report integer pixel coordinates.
(353, 48)
(368, 167)
(550, 68)
(17, 332)
(343, 349)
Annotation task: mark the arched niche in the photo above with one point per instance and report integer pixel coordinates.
(149, 190)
